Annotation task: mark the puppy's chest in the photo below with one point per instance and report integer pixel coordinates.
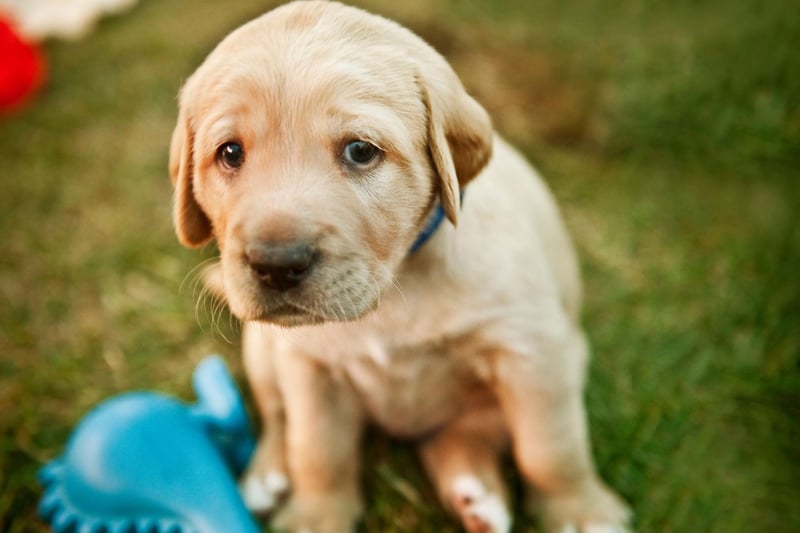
(412, 389)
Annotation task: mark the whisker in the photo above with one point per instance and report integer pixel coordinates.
(396, 284)
(201, 301)
(344, 314)
(217, 316)
(196, 274)
(234, 323)
(335, 308)
(399, 288)
(207, 303)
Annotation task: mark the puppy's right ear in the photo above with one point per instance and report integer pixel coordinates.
(191, 224)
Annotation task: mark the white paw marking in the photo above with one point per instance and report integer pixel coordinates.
(276, 482)
(594, 528)
(603, 528)
(261, 494)
(476, 503)
(468, 487)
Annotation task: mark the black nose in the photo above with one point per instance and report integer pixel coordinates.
(281, 266)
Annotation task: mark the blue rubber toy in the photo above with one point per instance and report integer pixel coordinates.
(147, 463)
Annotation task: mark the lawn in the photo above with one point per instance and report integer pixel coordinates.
(670, 133)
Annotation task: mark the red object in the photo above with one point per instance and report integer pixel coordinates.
(21, 68)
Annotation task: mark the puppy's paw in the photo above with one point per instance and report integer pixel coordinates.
(262, 492)
(331, 513)
(265, 484)
(595, 528)
(593, 509)
(480, 510)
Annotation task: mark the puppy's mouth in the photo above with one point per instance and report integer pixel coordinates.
(290, 315)
(287, 311)
(287, 315)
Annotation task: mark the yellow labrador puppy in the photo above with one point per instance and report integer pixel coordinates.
(322, 146)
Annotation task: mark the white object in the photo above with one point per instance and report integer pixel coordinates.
(65, 19)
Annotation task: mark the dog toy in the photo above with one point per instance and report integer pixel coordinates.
(22, 68)
(147, 463)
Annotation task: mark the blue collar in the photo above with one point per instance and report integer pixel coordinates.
(431, 225)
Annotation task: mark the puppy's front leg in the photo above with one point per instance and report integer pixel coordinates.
(266, 480)
(323, 435)
(540, 393)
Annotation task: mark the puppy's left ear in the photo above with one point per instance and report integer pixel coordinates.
(460, 136)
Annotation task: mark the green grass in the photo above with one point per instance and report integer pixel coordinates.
(670, 132)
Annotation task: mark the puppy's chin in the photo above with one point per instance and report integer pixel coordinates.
(289, 312)
(290, 316)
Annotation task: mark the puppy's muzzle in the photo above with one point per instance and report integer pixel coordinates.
(281, 265)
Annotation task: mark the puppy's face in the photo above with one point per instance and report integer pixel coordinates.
(312, 143)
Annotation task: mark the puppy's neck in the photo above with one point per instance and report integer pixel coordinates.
(432, 223)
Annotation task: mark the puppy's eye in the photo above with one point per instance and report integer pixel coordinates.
(231, 155)
(360, 153)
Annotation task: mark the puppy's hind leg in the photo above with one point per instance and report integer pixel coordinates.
(541, 395)
(265, 483)
(462, 460)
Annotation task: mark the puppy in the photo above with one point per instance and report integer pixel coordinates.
(322, 147)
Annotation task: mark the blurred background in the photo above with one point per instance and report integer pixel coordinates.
(669, 132)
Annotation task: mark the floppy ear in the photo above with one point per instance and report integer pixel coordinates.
(459, 137)
(191, 224)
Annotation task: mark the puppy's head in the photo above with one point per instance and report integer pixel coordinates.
(312, 143)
